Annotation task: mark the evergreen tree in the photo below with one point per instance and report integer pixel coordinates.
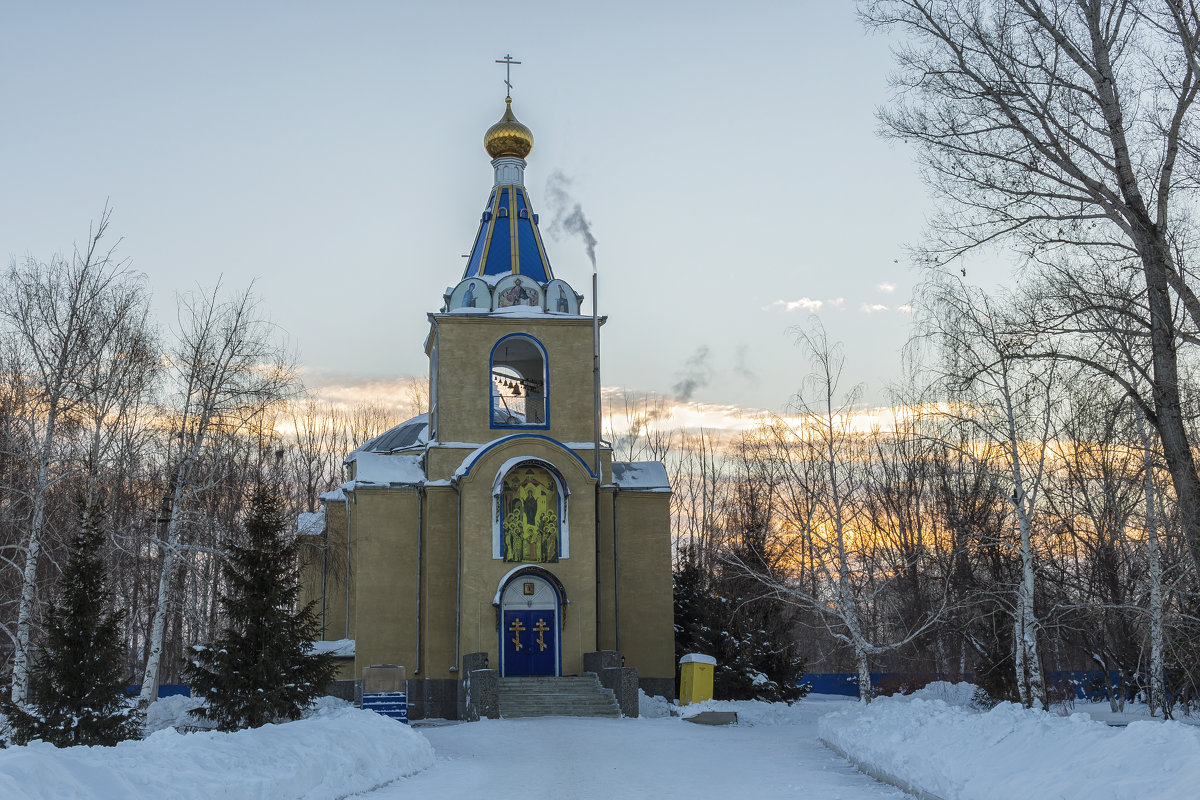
(76, 692)
(750, 636)
(262, 667)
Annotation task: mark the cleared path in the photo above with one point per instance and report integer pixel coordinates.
(571, 758)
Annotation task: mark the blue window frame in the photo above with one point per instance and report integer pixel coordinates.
(519, 383)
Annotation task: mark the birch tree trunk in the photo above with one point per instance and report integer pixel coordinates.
(1157, 698)
(170, 547)
(33, 549)
(1027, 644)
(1019, 652)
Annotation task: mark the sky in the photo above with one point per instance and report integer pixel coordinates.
(726, 156)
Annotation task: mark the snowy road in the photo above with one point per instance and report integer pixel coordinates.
(580, 759)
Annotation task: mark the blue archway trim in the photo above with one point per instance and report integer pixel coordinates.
(478, 454)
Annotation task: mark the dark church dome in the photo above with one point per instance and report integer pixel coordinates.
(413, 433)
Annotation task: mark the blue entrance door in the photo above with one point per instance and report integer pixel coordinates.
(530, 642)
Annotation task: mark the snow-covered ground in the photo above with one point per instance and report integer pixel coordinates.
(772, 753)
(936, 742)
(933, 742)
(336, 751)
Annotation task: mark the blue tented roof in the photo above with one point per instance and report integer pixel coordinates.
(508, 242)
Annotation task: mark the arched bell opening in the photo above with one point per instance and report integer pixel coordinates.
(519, 372)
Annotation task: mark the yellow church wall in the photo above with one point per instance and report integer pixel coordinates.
(335, 575)
(482, 573)
(464, 382)
(644, 552)
(311, 550)
(606, 635)
(438, 583)
(384, 537)
(343, 669)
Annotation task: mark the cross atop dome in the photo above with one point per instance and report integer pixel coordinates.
(508, 62)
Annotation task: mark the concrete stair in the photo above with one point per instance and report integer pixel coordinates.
(556, 697)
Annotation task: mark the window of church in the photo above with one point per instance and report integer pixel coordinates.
(518, 383)
(530, 506)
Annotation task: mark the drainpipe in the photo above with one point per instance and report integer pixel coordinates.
(347, 636)
(420, 564)
(616, 570)
(458, 575)
(324, 569)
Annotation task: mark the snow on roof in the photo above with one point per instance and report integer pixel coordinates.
(405, 436)
(698, 658)
(339, 648)
(381, 469)
(310, 523)
(335, 496)
(641, 475)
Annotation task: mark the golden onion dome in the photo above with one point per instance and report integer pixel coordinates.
(508, 137)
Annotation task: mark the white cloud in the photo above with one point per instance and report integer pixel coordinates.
(905, 309)
(804, 303)
(885, 287)
(871, 308)
(838, 302)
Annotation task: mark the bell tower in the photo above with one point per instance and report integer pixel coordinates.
(509, 350)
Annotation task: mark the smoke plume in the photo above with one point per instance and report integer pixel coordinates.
(695, 374)
(568, 214)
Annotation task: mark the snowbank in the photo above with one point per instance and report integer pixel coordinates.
(952, 694)
(653, 707)
(754, 712)
(954, 752)
(337, 751)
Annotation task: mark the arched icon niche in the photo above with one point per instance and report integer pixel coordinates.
(471, 293)
(517, 290)
(561, 298)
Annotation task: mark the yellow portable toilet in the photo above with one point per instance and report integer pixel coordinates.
(696, 678)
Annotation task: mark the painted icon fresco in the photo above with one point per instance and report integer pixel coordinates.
(518, 290)
(471, 293)
(561, 298)
(530, 497)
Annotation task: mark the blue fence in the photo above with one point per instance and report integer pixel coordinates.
(1088, 684)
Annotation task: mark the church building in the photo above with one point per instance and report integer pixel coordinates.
(494, 524)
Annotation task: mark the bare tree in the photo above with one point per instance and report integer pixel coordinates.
(699, 497)
(820, 477)
(62, 318)
(226, 365)
(318, 447)
(1065, 126)
(990, 388)
(644, 435)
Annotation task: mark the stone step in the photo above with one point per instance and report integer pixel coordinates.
(542, 696)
